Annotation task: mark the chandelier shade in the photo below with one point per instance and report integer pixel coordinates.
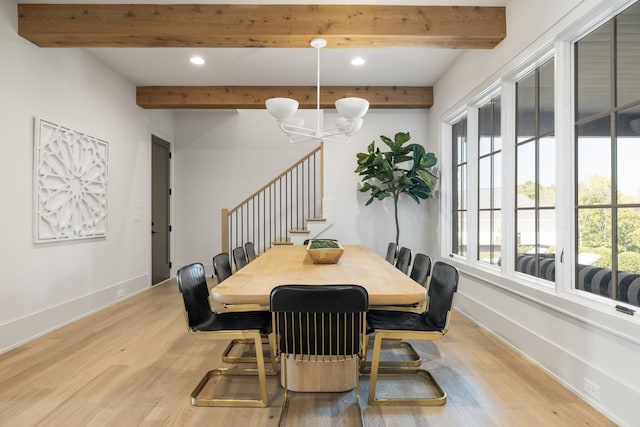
(352, 108)
(282, 108)
(350, 111)
(347, 126)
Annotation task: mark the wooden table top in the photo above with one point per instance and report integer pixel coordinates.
(290, 264)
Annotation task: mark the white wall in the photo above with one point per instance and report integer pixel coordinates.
(47, 285)
(374, 225)
(572, 339)
(222, 157)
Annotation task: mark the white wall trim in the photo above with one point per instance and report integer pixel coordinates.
(564, 366)
(30, 327)
(567, 305)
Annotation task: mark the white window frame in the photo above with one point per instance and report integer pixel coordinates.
(561, 296)
(447, 129)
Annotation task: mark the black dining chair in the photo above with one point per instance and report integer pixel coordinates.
(421, 268)
(222, 271)
(433, 324)
(319, 323)
(392, 253)
(250, 251)
(404, 260)
(239, 257)
(222, 266)
(419, 273)
(206, 324)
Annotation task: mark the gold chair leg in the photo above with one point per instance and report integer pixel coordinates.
(438, 400)
(262, 402)
(274, 359)
(285, 398)
(360, 414)
(414, 358)
(240, 359)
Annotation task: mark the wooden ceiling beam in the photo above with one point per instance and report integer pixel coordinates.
(253, 97)
(225, 25)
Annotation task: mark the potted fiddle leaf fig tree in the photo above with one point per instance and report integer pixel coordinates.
(404, 169)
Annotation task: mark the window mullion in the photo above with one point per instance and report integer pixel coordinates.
(537, 171)
(565, 170)
(614, 160)
(473, 138)
(508, 131)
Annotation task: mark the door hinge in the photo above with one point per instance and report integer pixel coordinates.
(170, 264)
(170, 155)
(170, 230)
(169, 191)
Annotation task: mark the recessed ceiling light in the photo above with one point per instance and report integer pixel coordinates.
(197, 60)
(357, 61)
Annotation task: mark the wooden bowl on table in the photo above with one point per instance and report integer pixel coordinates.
(324, 251)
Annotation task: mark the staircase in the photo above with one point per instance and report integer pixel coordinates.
(287, 210)
(314, 226)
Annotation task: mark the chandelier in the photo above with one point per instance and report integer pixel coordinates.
(350, 111)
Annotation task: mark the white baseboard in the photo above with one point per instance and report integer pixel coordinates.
(32, 326)
(567, 368)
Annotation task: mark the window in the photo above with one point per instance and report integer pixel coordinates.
(535, 224)
(607, 149)
(459, 174)
(489, 181)
(571, 177)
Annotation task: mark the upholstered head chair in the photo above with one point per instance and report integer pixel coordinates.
(319, 323)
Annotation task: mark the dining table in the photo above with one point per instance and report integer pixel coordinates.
(250, 287)
(291, 264)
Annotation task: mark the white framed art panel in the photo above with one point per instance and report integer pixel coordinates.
(70, 184)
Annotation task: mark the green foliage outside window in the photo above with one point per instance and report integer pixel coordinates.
(594, 226)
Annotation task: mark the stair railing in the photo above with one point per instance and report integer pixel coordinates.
(268, 215)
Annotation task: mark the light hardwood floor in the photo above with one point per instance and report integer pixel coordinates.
(134, 364)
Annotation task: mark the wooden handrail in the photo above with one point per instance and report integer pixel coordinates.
(320, 149)
(224, 230)
(227, 215)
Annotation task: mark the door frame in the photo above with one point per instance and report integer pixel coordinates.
(164, 138)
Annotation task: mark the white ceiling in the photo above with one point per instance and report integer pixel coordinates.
(278, 66)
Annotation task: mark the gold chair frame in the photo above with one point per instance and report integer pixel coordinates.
(226, 358)
(413, 361)
(378, 369)
(414, 358)
(249, 335)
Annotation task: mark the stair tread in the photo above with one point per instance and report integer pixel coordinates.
(282, 242)
(299, 230)
(316, 219)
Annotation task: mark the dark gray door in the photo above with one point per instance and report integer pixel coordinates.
(160, 221)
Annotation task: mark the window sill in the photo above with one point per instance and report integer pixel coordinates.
(592, 310)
